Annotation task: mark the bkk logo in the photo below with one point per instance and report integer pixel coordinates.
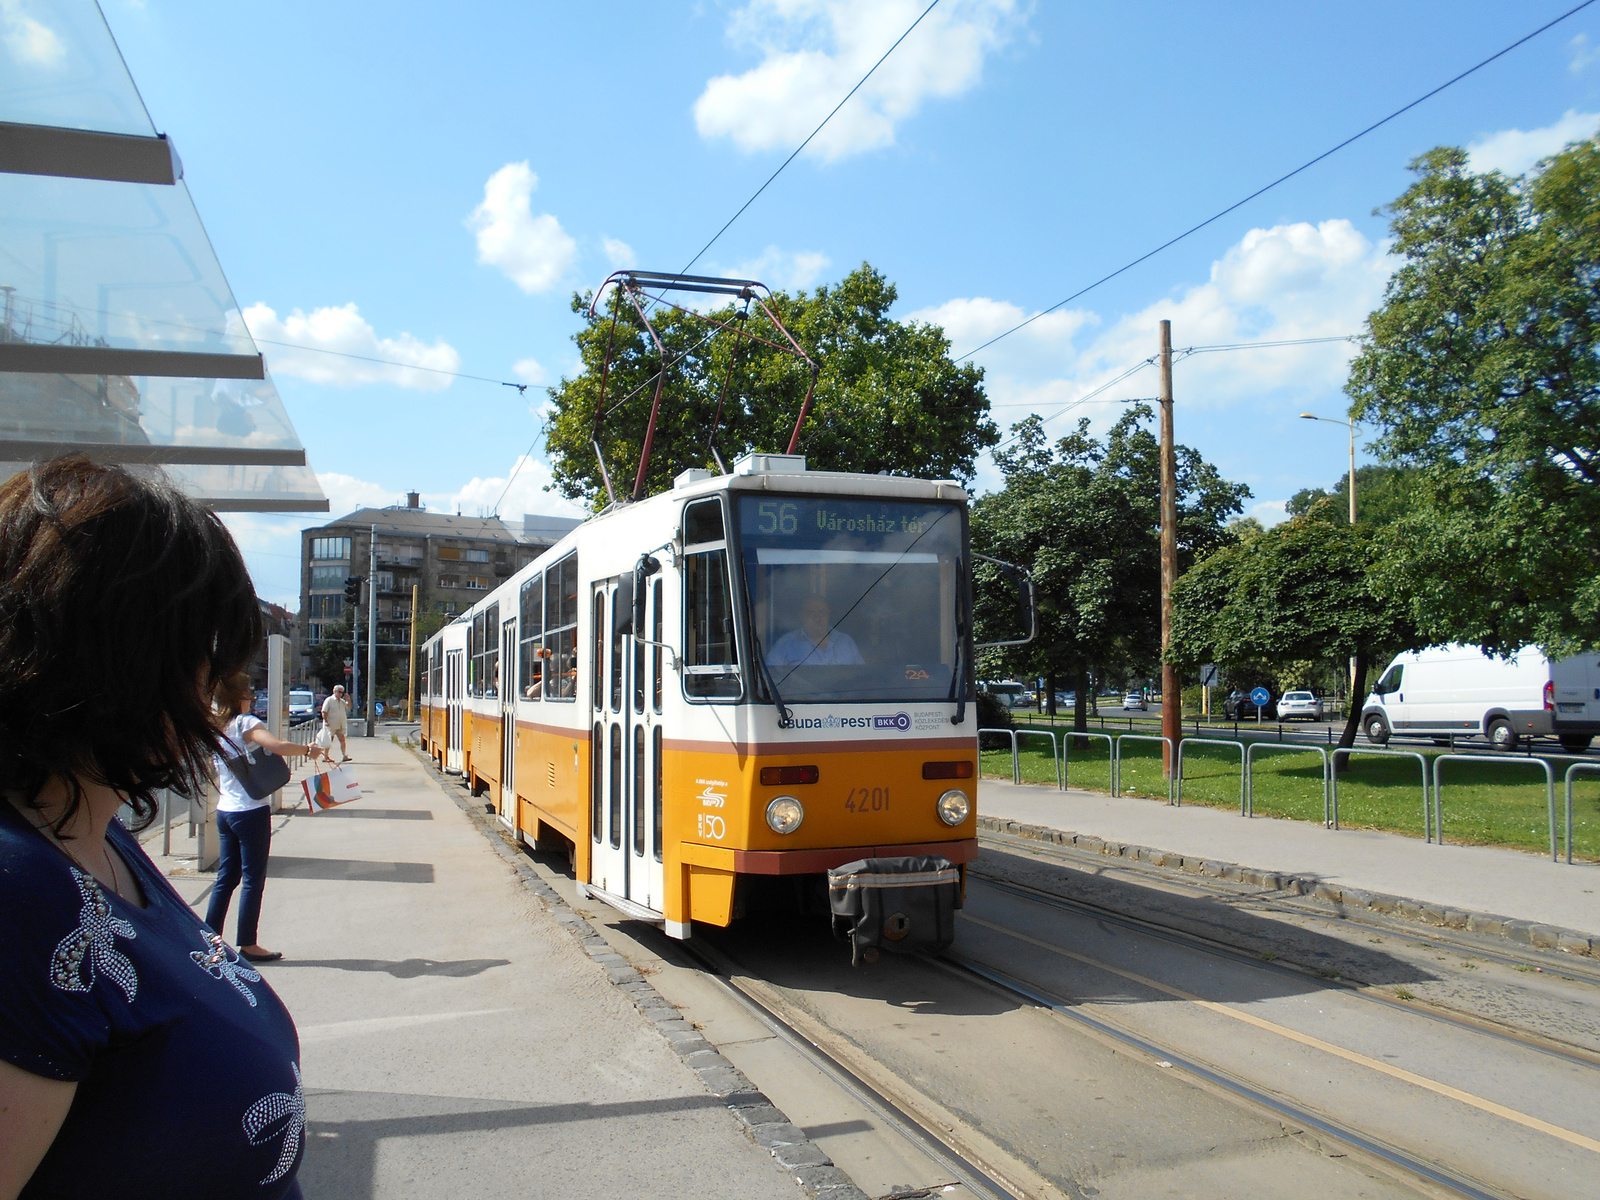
(899, 720)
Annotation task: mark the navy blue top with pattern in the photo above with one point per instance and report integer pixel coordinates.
(187, 1063)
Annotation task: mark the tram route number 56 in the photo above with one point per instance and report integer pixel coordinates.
(775, 517)
(862, 800)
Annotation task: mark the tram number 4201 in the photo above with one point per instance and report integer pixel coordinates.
(863, 800)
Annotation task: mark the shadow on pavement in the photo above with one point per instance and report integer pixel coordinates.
(343, 1130)
(376, 814)
(348, 870)
(406, 968)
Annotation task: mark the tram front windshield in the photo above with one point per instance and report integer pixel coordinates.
(854, 600)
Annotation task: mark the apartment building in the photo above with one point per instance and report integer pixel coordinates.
(450, 560)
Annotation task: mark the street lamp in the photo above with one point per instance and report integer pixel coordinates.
(1350, 425)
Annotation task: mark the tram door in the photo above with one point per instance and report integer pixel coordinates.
(642, 700)
(509, 689)
(455, 685)
(607, 757)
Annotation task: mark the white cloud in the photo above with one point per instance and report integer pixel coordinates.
(782, 270)
(529, 371)
(270, 544)
(1514, 151)
(618, 253)
(1583, 56)
(534, 252)
(346, 332)
(1270, 512)
(814, 51)
(28, 40)
(1280, 284)
(526, 494)
(346, 493)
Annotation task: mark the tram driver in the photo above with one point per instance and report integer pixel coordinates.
(816, 642)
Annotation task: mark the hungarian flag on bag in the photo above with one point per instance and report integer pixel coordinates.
(330, 789)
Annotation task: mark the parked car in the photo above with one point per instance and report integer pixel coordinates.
(1299, 706)
(1066, 699)
(1135, 700)
(1239, 707)
(1463, 691)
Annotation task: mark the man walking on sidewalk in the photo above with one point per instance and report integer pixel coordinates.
(334, 710)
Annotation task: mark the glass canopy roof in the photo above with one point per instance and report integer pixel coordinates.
(119, 334)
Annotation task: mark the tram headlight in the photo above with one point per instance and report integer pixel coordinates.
(784, 814)
(954, 807)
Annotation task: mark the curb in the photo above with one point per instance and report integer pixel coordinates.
(1528, 933)
(761, 1120)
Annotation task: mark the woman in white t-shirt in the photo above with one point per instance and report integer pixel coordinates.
(244, 824)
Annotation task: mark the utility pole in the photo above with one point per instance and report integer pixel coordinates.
(1171, 692)
(355, 646)
(411, 675)
(372, 626)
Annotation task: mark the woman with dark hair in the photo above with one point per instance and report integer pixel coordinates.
(244, 823)
(139, 1056)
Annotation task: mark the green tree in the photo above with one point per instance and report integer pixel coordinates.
(328, 656)
(1299, 594)
(1082, 517)
(1383, 496)
(888, 398)
(1481, 371)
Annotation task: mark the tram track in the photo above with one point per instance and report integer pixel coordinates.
(1063, 1008)
(1567, 966)
(764, 1002)
(1559, 1050)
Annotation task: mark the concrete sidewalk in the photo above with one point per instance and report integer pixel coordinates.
(455, 1038)
(1468, 879)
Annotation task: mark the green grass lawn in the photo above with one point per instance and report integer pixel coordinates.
(1497, 804)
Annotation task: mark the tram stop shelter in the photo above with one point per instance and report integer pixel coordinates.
(119, 335)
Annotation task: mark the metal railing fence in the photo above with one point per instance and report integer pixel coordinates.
(1249, 807)
(1116, 782)
(1244, 755)
(1422, 762)
(1571, 771)
(1549, 778)
(1111, 757)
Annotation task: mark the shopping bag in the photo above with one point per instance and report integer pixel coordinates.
(325, 737)
(330, 789)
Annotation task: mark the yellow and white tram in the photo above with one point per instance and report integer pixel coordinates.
(759, 674)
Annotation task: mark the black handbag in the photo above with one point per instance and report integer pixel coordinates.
(260, 772)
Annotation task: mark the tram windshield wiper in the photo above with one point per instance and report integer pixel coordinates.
(785, 717)
(958, 686)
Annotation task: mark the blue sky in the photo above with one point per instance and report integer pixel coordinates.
(430, 184)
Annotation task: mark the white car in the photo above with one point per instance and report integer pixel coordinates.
(1303, 706)
(1135, 700)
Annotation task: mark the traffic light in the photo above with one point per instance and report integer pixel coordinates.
(352, 590)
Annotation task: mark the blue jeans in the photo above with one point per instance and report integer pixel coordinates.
(244, 839)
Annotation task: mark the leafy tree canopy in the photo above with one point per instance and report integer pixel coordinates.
(1481, 370)
(1383, 496)
(1300, 593)
(1082, 516)
(888, 397)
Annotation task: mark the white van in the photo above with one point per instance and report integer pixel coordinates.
(1460, 690)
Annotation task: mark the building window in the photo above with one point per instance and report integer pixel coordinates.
(328, 579)
(449, 581)
(450, 553)
(476, 556)
(476, 583)
(325, 607)
(330, 547)
(314, 632)
(386, 581)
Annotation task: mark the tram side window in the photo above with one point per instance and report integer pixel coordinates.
(711, 657)
(532, 602)
(561, 630)
(598, 682)
(475, 658)
(491, 651)
(655, 635)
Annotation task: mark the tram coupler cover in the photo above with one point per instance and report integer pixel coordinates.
(898, 904)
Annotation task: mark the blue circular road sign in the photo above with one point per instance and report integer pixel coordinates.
(1260, 696)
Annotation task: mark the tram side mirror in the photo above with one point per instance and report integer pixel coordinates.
(642, 570)
(1027, 620)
